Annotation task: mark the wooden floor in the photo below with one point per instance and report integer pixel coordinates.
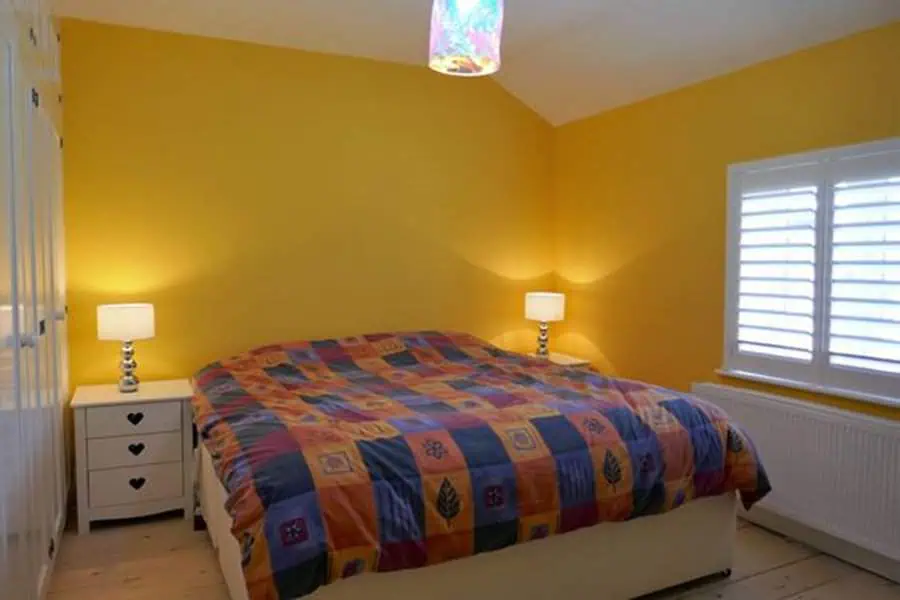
(166, 560)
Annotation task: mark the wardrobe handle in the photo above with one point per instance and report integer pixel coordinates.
(30, 340)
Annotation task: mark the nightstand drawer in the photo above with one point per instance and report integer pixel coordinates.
(131, 419)
(109, 453)
(131, 485)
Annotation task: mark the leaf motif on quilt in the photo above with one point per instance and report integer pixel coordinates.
(448, 505)
(735, 444)
(612, 470)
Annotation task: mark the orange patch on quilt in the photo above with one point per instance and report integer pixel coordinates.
(349, 515)
(537, 486)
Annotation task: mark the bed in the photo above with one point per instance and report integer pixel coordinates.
(325, 460)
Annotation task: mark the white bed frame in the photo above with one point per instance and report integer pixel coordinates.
(611, 561)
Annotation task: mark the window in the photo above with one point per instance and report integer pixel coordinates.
(813, 282)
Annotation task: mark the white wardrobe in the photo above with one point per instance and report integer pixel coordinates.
(33, 361)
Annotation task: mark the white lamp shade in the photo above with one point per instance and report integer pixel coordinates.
(125, 322)
(545, 306)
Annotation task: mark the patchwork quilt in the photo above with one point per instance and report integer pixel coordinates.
(394, 451)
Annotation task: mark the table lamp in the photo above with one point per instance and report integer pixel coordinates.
(126, 323)
(545, 307)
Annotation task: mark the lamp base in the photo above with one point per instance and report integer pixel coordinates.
(543, 338)
(128, 382)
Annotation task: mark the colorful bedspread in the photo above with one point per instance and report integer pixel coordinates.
(396, 451)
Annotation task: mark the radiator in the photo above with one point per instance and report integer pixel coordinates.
(831, 470)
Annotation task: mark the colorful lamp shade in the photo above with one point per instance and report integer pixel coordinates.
(465, 37)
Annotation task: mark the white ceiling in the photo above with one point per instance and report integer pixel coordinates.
(567, 59)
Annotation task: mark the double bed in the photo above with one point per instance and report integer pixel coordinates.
(325, 460)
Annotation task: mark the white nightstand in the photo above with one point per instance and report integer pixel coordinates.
(565, 360)
(133, 452)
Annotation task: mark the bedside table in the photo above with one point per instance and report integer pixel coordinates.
(564, 360)
(133, 452)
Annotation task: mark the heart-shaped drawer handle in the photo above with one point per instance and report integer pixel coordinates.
(136, 449)
(135, 418)
(137, 482)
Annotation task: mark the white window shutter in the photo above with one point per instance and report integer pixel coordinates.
(813, 280)
(776, 289)
(863, 338)
(772, 268)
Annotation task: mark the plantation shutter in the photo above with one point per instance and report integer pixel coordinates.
(777, 272)
(813, 272)
(864, 322)
(773, 254)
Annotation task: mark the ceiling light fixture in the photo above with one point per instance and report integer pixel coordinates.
(465, 37)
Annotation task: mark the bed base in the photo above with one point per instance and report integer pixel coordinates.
(611, 561)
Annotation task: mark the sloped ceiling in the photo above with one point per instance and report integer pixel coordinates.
(567, 59)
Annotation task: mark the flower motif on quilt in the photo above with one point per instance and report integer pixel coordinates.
(494, 497)
(435, 449)
(594, 425)
(293, 532)
(540, 531)
(353, 567)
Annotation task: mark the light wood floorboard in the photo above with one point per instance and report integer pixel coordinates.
(163, 559)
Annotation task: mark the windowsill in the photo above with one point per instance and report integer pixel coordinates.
(808, 387)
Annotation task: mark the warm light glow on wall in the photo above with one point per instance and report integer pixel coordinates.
(465, 37)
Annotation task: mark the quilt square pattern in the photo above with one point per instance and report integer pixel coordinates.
(394, 451)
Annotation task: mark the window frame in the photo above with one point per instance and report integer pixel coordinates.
(818, 375)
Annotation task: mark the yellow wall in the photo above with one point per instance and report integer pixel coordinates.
(256, 194)
(640, 198)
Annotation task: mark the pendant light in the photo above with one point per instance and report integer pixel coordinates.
(465, 37)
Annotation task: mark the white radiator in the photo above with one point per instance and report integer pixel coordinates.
(831, 470)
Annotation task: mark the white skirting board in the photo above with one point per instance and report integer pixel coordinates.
(612, 561)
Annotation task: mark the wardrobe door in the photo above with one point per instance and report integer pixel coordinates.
(57, 317)
(14, 555)
(44, 145)
(31, 330)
